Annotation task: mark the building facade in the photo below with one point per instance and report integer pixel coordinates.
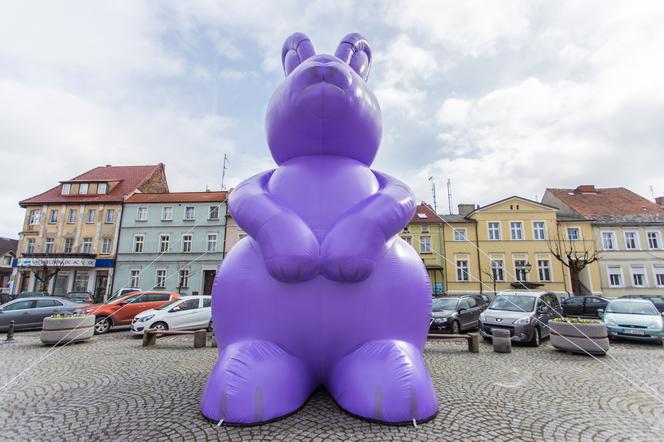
(628, 232)
(69, 236)
(7, 254)
(234, 233)
(171, 241)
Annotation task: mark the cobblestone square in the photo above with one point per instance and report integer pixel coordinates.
(111, 388)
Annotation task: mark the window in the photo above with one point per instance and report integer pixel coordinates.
(35, 216)
(631, 241)
(212, 242)
(573, 233)
(66, 189)
(184, 278)
(615, 276)
(653, 240)
(214, 212)
(71, 218)
(189, 304)
(20, 305)
(53, 217)
(91, 216)
(81, 281)
(207, 302)
(422, 215)
(659, 275)
(138, 243)
(608, 240)
(167, 213)
(494, 231)
(102, 188)
(106, 244)
(538, 230)
(49, 246)
(516, 230)
(186, 242)
(575, 300)
(164, 240)
(241, 235)
(30, 246)
(110, 216)
(160, 281)
(462, 270)
(424, 229)
(41, 303)
(408, 239)
(142, 214)
(189, 213)
(156, 297)
(459, 234)
(67, 245)
(544, 269)
(497, 270)
(87, 245)
(520, 270)
(83, 188)
(425, 244)
(638, 276)
(134, 278)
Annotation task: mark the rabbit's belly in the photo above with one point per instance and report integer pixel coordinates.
(320, 188)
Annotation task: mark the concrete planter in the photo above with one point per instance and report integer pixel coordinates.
(67, 330)
(570, 337)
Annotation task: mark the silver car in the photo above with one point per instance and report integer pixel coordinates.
(633, 319)
(524, 313)
(28, 313)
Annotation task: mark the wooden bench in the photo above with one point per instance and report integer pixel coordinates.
(473, 339)
(150, 336)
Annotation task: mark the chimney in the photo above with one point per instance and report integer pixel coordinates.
(586, 188)
(660, 200)
(465, 209)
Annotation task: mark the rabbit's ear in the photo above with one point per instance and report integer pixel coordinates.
(296, 49)
(355, 51)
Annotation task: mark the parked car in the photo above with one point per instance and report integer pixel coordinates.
(123, 292)
(658, 301)
(454, 314)
(31, 295)
(28, 313)
(633, 318)
(186, 313)
(524, 313)
(583, 305)
(122, 310)
(79, 297)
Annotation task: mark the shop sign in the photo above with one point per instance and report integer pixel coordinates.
(56, 262)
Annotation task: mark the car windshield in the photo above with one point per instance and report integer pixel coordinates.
(440, 304)
(169, 303)
(513, 303)
(631, 308)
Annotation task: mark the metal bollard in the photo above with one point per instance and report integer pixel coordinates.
(501, 340)
(10, 331)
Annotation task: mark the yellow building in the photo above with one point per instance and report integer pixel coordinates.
(69, 236)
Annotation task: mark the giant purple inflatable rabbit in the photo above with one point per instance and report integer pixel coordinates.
(323, 291)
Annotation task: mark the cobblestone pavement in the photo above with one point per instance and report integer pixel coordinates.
(111, 388)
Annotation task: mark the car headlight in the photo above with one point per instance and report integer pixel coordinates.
(440, 320)
(145, 318)
(482, 317)
(657, 324)
(610, 321)
(522, 321)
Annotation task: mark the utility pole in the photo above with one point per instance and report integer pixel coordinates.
(223, 172)
(433, 190)
(449, 195)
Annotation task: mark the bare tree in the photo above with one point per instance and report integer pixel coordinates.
(48, 272)
(575, 259)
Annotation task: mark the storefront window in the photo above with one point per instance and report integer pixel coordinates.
(81, 281)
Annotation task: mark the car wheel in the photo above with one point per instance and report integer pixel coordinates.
(160, 326)
(102, 325)
(535, 341)
(456, 328)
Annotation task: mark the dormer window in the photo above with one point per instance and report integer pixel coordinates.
(83, 188)
(102, 188)
(66, 188)
(422, 215)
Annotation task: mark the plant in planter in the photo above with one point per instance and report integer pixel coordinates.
(581, 336)
(67, 328)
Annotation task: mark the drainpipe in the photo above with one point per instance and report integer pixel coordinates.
(479, 263)
(444, 261)
(116, 246)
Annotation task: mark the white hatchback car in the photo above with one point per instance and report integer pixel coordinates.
(186, 313)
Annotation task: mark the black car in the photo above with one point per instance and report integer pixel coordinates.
(655, 299)
(31, 295)
(454, 314)
(583, 305)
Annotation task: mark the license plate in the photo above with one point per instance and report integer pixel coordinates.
(635, 332)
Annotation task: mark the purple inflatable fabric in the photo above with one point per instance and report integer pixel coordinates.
(323, 291)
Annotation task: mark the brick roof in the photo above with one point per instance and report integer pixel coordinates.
(425, 215)
(596, 203)
(129, 178)
(8, 245)
(177, 197)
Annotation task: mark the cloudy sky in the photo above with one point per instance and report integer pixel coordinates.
(502, 98)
